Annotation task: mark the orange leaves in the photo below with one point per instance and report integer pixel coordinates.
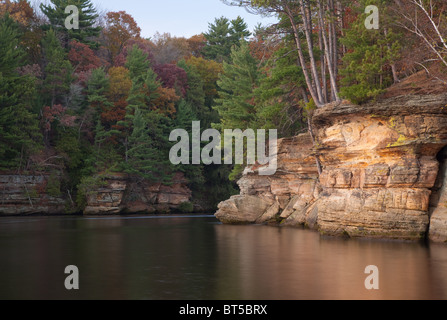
(20, 11)
(165, 102)
(120, 83)
(82, 58)
(209, 71)
(120, 27)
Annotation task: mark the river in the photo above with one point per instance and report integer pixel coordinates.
(197, 258)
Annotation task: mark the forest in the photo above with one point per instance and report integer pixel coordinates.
(81, 103)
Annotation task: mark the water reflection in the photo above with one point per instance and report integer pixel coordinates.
(197, 258)
(271, 263)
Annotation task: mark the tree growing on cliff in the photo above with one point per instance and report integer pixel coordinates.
(368, 65)
(306, 19)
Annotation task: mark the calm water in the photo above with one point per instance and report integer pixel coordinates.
(174, 258)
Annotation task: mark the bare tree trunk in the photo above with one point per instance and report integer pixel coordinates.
(340, 20)
(326, 51)
(309, 82)
(334, 36)
(323, 64)
(313, 64)
(392, 64)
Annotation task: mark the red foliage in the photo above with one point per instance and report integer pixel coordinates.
(172, 77)
(82, 58)
(145, 45)
(57, 112)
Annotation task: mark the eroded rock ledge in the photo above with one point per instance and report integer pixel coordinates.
(380, 169)
(36, 194)
(123, 196)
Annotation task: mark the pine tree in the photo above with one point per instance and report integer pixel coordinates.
(279, 98)
(144, 158)
(239, 30)
(97, 89)
(87, 31)
(19, 133)
(366, 70)
(236, 105)
(222, 36)
(137, 63)
(58, 70)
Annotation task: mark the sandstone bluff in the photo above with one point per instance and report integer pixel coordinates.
(383, 173)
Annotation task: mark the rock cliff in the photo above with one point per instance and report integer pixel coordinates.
(121, 195)
(380, 168)
(265, 199)
(40, 194)
(29, 194)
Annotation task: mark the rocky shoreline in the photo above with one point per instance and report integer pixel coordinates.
(22, 195)
(383, 176)
(383, 172)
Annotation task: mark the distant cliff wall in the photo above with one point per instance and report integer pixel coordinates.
(29, 194)
(40, 194)
(122, 195)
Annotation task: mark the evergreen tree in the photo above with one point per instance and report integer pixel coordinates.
(236, 105)
(97, 89)
(58, 70)
(366, 70)
(19, 133)
(144, 81)
(280, 94)
(144, 159)
(222, 36)
(87, 31)
(137, 62)
(239, 30)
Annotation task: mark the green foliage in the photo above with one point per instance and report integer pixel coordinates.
(53, 188)
(19, 133)
(186, 207)
(279, 94)
(58, 70)
(222, 36)
(365, 72)
(88, 187)
(144, 157)
(236, 104)
(56, 15)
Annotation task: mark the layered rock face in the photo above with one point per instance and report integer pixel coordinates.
(291, 191)
(120, 195)
(438, 204)
(27, 194)
(379, 168)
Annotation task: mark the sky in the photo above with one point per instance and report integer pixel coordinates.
(180, 18)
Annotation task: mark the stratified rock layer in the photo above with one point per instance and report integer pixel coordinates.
(265, 199)
(27, 194)
(379, 169)
(379, 165)
(122, 195)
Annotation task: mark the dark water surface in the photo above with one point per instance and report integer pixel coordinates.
(195, 258)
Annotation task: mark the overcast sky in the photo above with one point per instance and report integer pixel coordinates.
(181, 18)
